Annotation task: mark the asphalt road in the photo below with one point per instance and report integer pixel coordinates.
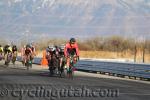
(16, 83)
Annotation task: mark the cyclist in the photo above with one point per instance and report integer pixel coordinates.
(61, 48)
(50, 58)
(27, 53)
(52, 55)
(7, 50)
(32, 46)
(61, 53)
(62, 59)
(14, 53)
(23, 54)
(53, 50)
(14, 48)
(1, 49)
(48, 53)
(1, 52)
(71, 49)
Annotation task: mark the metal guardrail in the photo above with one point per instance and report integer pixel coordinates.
(126, 69)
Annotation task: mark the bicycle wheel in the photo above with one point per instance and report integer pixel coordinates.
(27, 65)
(14, 60)
(8, 59)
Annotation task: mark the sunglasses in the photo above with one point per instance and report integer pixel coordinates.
(72, 43)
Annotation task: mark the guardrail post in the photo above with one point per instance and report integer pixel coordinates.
(143, 55)
(135, 52)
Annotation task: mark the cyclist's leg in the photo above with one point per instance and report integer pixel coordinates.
(1, 56)
(6, 56)
(68, 62)
(31, 57)
(25, 58)
(60, 64)
(12, 54)
(22, 57)
(75, 59)
(15, 54)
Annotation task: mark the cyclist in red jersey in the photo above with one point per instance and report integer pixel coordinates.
(71, 48)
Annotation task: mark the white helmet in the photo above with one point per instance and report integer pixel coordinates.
(52, 47)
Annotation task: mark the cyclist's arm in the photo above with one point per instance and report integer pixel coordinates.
(2, 49)
(31, 51)
(65, 50)
(77, 49)
(22, 51)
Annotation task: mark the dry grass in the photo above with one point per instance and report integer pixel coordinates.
(114, 55)
(109, 55)
(103, 54)
(103, 47)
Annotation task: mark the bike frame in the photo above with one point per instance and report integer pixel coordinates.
(70, 73)
(27, 60)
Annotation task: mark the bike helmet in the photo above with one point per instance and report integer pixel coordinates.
(51, 47)
(14, 46)
(72, 40)
(8, 44)
(28, 46)
(56, 46)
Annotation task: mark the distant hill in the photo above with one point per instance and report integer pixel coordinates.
(74, 18)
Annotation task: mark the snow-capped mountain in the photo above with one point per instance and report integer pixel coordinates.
(78, 18)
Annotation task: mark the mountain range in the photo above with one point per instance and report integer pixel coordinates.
(34, 19)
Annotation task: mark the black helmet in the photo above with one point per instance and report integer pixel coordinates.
(56, 46)
(28, 46)
(72, 40)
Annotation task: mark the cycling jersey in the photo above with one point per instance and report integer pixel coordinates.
(28, 51)
(73, 50)
(1, 49)
(7, 49)
(14, 49)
